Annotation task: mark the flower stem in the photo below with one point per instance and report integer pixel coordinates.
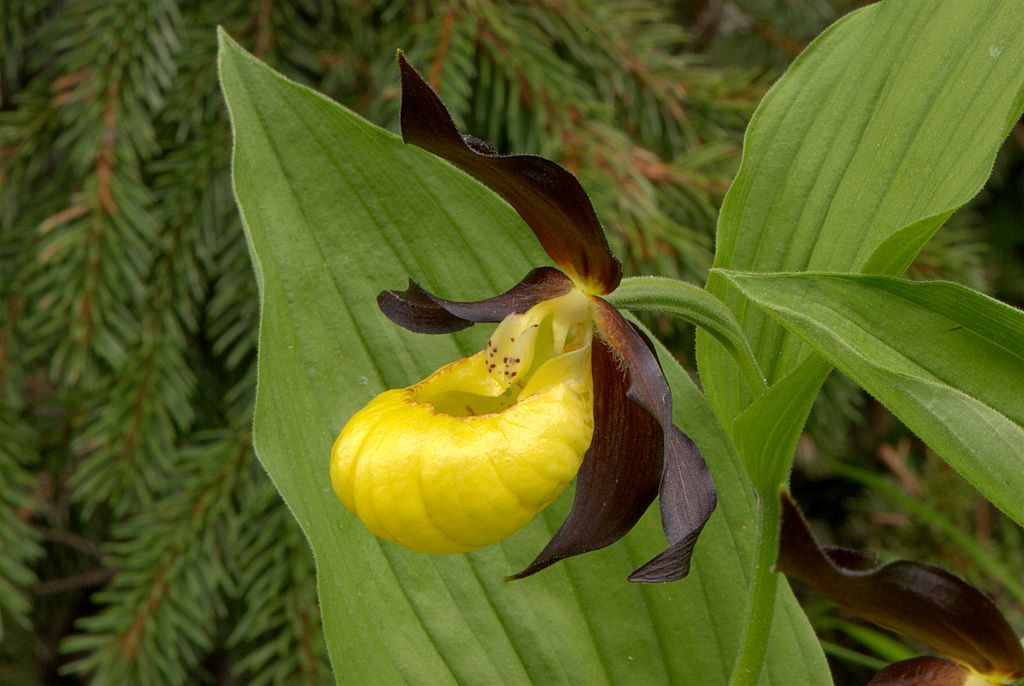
(700, 308)
(746, 670)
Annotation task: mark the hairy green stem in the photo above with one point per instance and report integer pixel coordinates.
(746, 670)
(700, 308)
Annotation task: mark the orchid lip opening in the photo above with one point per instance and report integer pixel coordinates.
(522, 344)
(550, 328)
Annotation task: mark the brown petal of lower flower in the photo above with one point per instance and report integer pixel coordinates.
(686, 494)
(549, 198)
(919, 600)
(922, 671)
(417, 310)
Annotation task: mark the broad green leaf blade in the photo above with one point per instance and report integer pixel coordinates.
(335, 210)
(888, 122)
(948, 361)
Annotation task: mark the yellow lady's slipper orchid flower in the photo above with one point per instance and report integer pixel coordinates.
(565, 387)
(919, 600)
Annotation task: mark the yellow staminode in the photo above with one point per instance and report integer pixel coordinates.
(995, 678)
(473, 452)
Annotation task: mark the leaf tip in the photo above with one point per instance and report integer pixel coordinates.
(225, 43)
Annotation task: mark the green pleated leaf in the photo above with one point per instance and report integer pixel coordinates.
(948, 361)
(888, 122)
(336, 210)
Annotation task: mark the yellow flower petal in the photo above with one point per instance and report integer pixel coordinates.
(473, 452)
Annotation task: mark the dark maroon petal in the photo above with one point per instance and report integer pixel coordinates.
(546, 196)
(686, 500)
(922, 671)
(620, 473)
(417, 310)
(919, 600)
(686, 493)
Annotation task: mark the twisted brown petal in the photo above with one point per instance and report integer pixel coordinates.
(620, 473)
(546, 196)
(922, 671)
(919, 600)
(417, 310)
(686, 493)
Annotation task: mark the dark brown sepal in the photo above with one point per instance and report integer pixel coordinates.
(922, 671)
(919, 600)
(686, 493)
(549, 198)
(620, 473)
(417, 310)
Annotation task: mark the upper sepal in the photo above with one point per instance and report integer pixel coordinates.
(919, 600)
(422, 312)
(549, 198)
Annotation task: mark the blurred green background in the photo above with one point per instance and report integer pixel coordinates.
(140, 541)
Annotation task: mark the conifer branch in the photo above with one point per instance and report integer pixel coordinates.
(172, 576)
